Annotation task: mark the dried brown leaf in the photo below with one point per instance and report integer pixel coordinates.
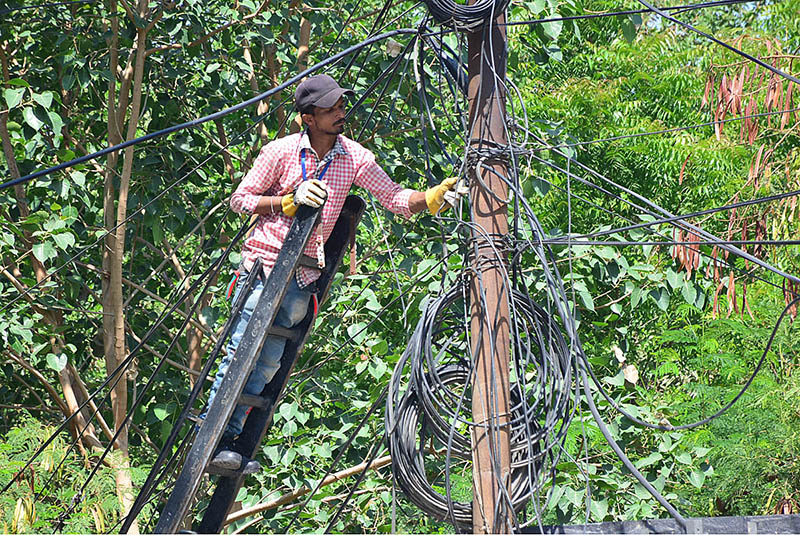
(787, 105)
(683, 169)
(707, 91)
(733, 306)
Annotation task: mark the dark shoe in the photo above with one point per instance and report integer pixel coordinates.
(226, 457)
(251, 466)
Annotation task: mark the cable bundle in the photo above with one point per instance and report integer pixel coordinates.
(468, 18)
(431, 416)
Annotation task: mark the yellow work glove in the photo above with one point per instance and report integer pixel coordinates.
(287, 204)
(434, 197)
(310, 192)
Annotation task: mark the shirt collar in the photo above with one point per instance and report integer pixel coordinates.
(336, 150)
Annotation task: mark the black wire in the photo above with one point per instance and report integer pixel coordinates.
(116, 374)
(664, 131)
(209, 276)
(151, 482)
(465, 17)
(678, 9)
(338, 458)
(580, 241)
(733, 49)
(213, 116)
(375, 450)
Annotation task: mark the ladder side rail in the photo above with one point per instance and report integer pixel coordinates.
(260, 419)
(221, 409)
(154, 476)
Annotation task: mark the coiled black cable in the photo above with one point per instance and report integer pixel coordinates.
(430, 409)
(461, 17)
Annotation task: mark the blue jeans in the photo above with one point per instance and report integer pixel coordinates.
(292, 311)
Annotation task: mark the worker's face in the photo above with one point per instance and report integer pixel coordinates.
(328, 121)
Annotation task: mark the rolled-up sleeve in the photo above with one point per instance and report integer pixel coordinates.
(264, 173)
(390, 194)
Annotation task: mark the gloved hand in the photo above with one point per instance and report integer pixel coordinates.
(441, 197)
(310, 192)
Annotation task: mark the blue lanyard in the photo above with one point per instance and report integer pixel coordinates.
(303, 166)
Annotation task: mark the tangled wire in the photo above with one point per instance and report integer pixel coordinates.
(428, 428)
(461, 17)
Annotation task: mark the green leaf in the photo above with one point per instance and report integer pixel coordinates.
(158, 234)
(553, 29)
(628, 29)
(56, 363)
(64, 240)
(684, 458)
(54, 223)
(160, 413)
(636, 297)
(674, 279)
(689, 293)
(45, 99)
(379, 346)
(585, 294)
(302, 417)
(70, 215)
(378, 369)
(78, 177)
(599, 509)
(536, 6)
(323, 450)
(31, 119)
(697, 477)
(289, 429)
(647, 461)
(288, 410)
(13, 96)
(357, 332)
(574, 497)
(67, 82)
(616, 380)
(44, 251)
(661, 297)
(19, 82)
(55, 122)
(606, 252)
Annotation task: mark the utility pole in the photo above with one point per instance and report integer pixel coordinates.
(488, 292)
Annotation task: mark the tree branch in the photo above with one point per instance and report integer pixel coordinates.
(209, 35)
(302, 491)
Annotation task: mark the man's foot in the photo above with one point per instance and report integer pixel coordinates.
(251, 466)
(226, 457)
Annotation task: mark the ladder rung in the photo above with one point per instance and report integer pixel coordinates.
(213, 470)
(253, 401)
(282, 332)
(309, 262)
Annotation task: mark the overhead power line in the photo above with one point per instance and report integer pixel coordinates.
(211, 117)
(677, 9)
(664, 131)
(733, 49)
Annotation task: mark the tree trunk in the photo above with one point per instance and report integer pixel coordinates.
(81, 427)
(113, 303)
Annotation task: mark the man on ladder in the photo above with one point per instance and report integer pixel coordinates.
(315, 167)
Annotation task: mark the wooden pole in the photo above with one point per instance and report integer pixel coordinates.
(488, 293)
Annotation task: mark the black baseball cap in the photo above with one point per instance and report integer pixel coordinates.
(320, 90)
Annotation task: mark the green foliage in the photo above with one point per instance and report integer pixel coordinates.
(93, 510)
(580, 81)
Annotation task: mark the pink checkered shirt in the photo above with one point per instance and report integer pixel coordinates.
(277, 171)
